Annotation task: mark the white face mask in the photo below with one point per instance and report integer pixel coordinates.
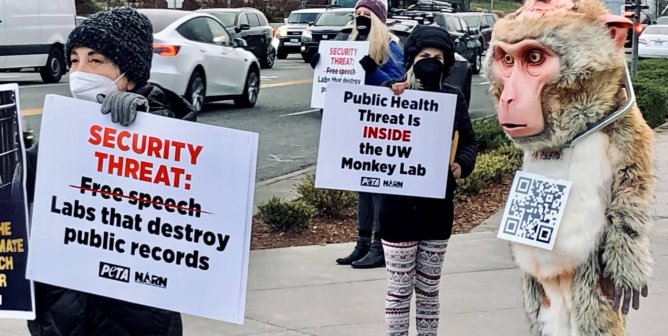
(86, 86)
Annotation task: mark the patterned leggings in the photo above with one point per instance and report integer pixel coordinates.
(413, 265)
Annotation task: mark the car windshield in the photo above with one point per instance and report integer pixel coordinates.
(160, 19)
(334, 19)
(226, 18)
(662, 20)
(472, 21)
(656, 30)
(303, 18)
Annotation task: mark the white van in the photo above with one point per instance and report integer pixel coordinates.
(33, 35)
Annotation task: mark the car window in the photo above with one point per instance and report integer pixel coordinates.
(302, 18)
(253, 20)
(472, 21)
(334, 19)
(451, 24)
(487, 20)
(465, 27)
(662, 20)
(656, 30)
(197, 30)
(243, 19)
(218, 33)
(226, 18)
(263, 19)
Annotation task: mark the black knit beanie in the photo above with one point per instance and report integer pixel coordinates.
(123, 35)
(430, 36)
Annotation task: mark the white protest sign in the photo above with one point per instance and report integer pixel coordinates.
(534, 210)
(339, 63)
(374, 141)
(157, 213)
(17, 298)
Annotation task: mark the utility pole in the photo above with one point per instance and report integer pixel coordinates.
(634, 43)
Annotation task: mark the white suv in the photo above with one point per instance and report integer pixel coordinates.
(288, 38)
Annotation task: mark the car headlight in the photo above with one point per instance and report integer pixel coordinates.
(307, 35)
(282, 31)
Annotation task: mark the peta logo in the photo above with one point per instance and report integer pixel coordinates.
(145, 278)
(370, 182)
(114, 272)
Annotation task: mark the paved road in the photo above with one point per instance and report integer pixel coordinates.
(289, 128)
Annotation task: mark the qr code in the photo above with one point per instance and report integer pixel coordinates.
(534, 209)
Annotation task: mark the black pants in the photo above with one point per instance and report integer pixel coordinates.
(367, 213)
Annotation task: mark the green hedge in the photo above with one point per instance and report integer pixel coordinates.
(651, 89)
(489, 134)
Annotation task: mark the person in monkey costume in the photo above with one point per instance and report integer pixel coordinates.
(557, 72)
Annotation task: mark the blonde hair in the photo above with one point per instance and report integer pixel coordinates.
(379, 40)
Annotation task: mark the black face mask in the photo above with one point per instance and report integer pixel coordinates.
(363, 25)
(429, 71)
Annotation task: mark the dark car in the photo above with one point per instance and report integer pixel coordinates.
(328, 25)
(252, 26)
(468, 41)
(289, 36)
(482, 22)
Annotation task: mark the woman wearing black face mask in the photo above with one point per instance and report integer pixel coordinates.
(416, 230)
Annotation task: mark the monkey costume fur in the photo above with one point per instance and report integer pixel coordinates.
(556, 69)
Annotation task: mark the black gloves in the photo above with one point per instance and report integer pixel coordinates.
(123, 106)
(314, 60)
(368, 64)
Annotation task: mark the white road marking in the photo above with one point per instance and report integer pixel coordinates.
(299, 113)
(43, 85)
(483, 83)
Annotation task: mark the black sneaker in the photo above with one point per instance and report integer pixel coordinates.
(375, 257)
(361, 249)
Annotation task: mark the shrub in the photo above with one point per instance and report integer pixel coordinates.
(281, 216)
(489, 134)
(492, 167)
(327, 202)
(651, 89)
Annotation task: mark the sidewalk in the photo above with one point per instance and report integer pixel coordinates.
(301, 291)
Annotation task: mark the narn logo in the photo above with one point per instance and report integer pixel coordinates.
(151, 280)
(114, 272)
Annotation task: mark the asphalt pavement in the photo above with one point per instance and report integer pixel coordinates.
(289, 128)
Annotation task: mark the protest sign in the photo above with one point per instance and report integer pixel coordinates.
(374, 141)
(16, 292)
(157, 213)
(339, 63)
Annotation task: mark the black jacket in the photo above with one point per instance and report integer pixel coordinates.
(409, 218)
(66, 312)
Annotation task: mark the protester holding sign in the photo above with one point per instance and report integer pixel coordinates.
(416, 229)
(382, 64)
(110, 61)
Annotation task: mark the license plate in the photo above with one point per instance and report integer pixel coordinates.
(324, 37)
(294, 40)
(658, 44)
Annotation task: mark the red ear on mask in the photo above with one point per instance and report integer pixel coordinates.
(618, 27)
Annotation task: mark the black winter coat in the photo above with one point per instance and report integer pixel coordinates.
(409, 218)
(66, 312)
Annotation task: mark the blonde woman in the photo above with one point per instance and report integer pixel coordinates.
(416, 230)
(382, 64)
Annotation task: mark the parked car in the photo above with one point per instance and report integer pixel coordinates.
(469, 41)
(195, 56)
(32, 36)
(483, 23)
(252, 26)
(326, 27)
(653, 42)
(288, 39)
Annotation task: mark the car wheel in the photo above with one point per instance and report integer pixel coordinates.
(54, 69)
(251, 90)
(281, 54)
(269, 57)
(477, 62)
(196, 92)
